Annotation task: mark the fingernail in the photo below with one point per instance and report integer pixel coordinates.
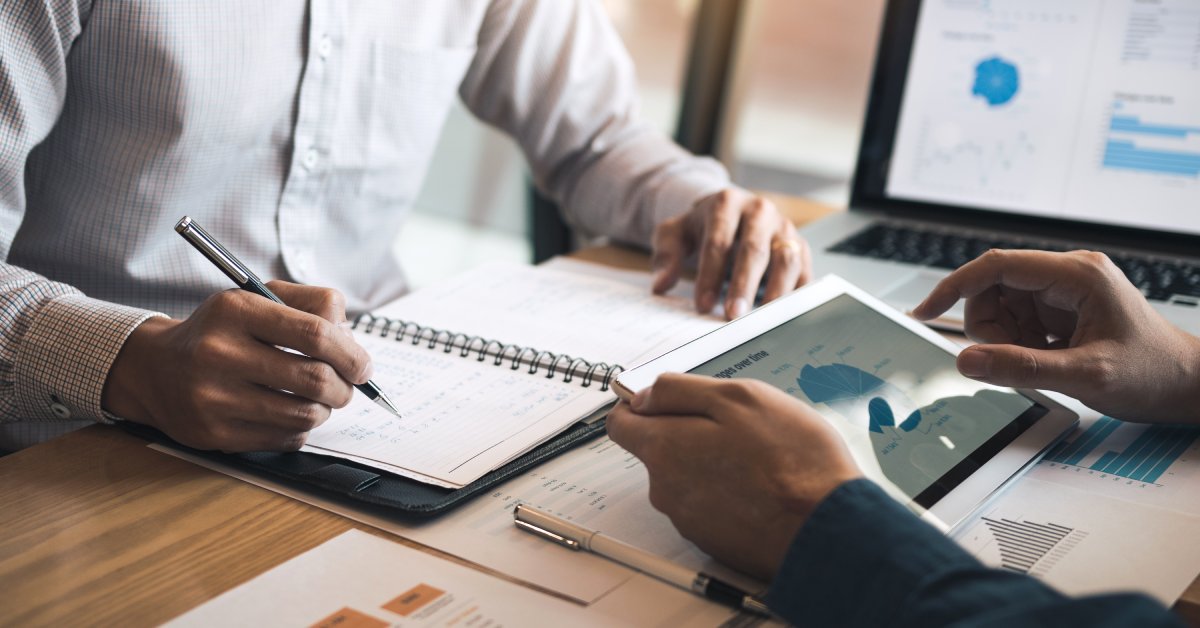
(639, 400)
(737, 307)
(975, 363)
(346, 327)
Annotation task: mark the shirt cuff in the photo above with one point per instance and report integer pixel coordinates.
(857, 560)
(63, 359)
(694, 180)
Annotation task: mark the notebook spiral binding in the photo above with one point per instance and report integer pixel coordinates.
(517, 356)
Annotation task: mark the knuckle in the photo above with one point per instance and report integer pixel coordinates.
(1100, 261)
(724, 198)
(759, 208)
(1028, 366)
(309, 415)
(740, 392)
(345, 398)
(754, 248)
(1102, 375)
(994, 256)
(208, 347)
(318, 376)
(719, 239)
(332, 299)
(226, 299)
(313, 331)
(718, 245)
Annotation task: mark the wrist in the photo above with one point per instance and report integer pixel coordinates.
(130, 375)
(1191, 383)
(804, 496)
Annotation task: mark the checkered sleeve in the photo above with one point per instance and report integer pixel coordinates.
(57, 359)
(556, 76)
(56, 345)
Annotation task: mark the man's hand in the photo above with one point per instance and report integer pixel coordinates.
(737, 465)
(1072, 323)
(218, 379)
(738, 230)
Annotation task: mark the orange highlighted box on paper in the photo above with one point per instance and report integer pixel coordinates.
(413, 600)
(350, 618)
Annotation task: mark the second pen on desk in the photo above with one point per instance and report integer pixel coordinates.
(247, 280)
(578, 538)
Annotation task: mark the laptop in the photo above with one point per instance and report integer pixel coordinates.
(1045, 124)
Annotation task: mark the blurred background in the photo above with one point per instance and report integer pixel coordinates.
(793, 90)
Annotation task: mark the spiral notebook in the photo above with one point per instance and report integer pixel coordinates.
(491, 364)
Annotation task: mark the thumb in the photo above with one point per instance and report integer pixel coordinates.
(1021, 367)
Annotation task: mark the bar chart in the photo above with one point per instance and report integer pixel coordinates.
(1164, 149)
(1027, 547)
(1144, 459)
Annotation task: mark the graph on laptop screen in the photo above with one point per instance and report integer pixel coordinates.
(1075, 109)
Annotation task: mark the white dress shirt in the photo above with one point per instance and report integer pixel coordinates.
(298, 133)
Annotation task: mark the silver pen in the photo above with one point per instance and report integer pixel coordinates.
(578, 538)
(247, 280)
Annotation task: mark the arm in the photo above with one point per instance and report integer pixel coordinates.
(215, 380)
(1072, 323)
(556, 77)
(56, 345)
(761, 481)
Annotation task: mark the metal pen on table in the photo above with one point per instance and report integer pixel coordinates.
(247, 280)
(578, 538)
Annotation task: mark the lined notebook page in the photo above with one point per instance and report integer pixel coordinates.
(463, 418)
(593, 316)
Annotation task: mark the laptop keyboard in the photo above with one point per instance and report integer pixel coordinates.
(1158, 279)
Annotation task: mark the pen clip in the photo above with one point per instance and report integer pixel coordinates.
(210, 248)
(570, 544)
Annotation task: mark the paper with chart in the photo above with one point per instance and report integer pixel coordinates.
(1086, 543)
(601, 479)
(898, 400)
(1117, 506)
(460, 418)
(1154, 465)
(357, 580)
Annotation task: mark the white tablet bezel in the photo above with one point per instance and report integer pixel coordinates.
(960, 501)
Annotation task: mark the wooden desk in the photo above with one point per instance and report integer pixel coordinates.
(97, 529)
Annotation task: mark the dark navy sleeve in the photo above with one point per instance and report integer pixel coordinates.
(862, 559)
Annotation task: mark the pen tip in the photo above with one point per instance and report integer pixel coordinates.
(388, 405)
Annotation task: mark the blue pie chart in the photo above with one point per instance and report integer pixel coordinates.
(997, 81)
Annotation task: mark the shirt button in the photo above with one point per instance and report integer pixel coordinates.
(324, 47)
(61, 411)
(310, 158)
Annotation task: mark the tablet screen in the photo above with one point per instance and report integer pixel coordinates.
(898, 400)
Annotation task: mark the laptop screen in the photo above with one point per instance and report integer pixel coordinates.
(1083, 110)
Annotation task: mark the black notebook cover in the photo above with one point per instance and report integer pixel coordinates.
(361, 483)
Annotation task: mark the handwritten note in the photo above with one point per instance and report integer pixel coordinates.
(460, 418)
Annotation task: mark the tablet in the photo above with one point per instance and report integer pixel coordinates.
(934, 439)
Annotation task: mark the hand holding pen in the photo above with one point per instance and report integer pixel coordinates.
(216, 380)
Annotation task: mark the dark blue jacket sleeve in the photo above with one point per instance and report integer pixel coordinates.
(864, 560)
